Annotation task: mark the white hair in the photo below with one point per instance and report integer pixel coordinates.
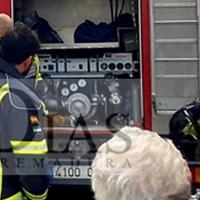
(149, 168)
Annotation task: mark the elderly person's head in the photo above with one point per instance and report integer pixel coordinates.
(138, 164)
(6, 23)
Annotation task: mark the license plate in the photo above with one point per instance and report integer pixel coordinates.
(72, 172)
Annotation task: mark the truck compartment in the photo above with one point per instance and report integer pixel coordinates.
(64, 16)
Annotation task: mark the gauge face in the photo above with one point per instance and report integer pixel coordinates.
(82, 83)
(73, 87)
(65, 92)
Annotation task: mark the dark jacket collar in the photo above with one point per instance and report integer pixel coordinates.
(10, 69)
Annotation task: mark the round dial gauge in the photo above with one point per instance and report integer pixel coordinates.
(82, 83)
(65, 92)
(73, 87)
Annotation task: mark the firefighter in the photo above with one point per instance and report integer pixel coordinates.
(23, 166)
(34, 77)
(184, 128)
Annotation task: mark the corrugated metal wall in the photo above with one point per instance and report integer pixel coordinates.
(175, 57)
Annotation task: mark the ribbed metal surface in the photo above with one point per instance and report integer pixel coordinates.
(175, 57)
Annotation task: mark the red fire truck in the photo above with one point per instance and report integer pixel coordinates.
(159, 54)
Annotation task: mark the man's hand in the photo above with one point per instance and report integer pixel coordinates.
(54, 120)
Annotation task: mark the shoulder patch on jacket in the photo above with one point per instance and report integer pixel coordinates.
(34, 120)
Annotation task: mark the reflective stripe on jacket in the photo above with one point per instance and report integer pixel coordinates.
(17, 196)
(35, 78)
(39, 80)
(22, 141)
(34, 72)
(38, 74)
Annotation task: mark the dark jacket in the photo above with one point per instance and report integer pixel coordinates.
(23, 144)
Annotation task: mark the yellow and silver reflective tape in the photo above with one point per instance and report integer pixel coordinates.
(38, 74)
(1, 178)
(46, 112)
(17, 196)
(35, 197)
(30, 147)
(43, 105)
(3, 91)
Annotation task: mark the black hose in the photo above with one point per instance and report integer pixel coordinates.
(111, 10)
(116, 8)
(123, 3)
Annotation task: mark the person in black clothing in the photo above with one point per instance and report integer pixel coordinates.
(184, 129)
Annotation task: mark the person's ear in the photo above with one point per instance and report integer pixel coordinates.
(28, 62)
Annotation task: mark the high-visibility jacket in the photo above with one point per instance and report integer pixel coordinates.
(23, 166)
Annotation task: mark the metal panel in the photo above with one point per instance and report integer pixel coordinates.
(163, 104)
(176, 50)
(179, 88)
(5, 7)
(174, 1)
(178, 68)
(145, 55)
(175, 58)
(180, 13)
(175, 30)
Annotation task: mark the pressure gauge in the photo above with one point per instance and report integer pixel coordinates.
(82, 83)
(73, 87)
(65, 92)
